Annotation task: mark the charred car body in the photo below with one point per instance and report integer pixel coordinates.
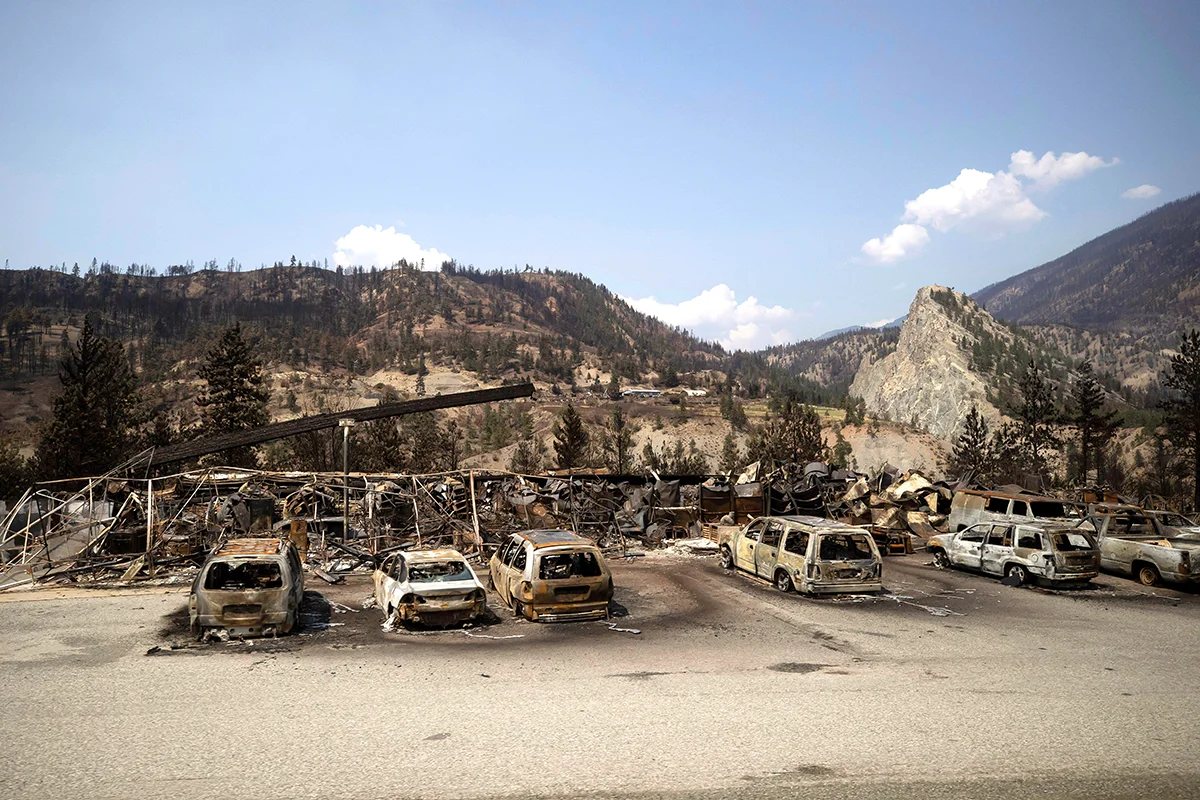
(1134, 544)
(552, 576)
(248, 587)
(812, 555)
(433, 587)
(1023, 553)
(972, 506)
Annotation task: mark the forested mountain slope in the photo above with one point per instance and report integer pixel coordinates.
(1120, 299)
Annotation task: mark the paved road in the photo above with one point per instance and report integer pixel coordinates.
(952, 686)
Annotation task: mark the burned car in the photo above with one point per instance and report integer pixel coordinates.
(971, 506)
(248, 587)
(809, 554)
(432, 587)
(552, 576)
(1021, 553)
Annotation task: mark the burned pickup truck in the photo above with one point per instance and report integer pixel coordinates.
(812, 555)
(1135, 544)
(248, 587)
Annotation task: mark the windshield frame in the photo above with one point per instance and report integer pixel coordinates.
(417, 567)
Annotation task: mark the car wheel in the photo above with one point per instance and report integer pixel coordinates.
(782, 582)
(1147, 575)
(941, 560)
(726, 558)
(491, 582)
(1018, 573)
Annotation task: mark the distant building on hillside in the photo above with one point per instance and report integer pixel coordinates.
(641, 393)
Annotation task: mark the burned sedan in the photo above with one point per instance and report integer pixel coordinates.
(810, 554)
(1021, 553)
(248, 587)
(552, 576)
(432, 587)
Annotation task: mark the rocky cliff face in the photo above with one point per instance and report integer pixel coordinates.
(928, 381)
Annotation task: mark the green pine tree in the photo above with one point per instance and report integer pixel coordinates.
(570, 439)
(969, 458)
(96, 411)
(1096, 427)
(1183, 406)
(617, 442)
(731, 455)
(234, 398)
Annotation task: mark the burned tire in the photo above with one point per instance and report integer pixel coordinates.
(726, 558)
(1147, 575)
(1017, 573)
(783, 582)
(517, 609)
(941, 560)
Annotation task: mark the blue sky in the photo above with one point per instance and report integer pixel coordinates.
(725, 166)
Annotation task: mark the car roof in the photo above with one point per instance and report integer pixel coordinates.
(818, 524)
(553, 538)
(251, 547)
(444, 554)
(1026, 496)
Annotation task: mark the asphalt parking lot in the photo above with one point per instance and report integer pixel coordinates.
(947, 685)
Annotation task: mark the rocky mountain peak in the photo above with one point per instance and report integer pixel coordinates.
(930, 380)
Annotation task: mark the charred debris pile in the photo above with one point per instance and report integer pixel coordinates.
(115, 529)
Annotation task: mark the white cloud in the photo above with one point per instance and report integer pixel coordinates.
(377, 246)
(1050, 170)
(879, 323)
(1141, 192)
(991, 203)
(716, 314)
(904, 240)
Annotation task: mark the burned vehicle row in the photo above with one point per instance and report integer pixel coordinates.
(432, 587)
(248, 587)
(552, 576)
(1021, 553)
(809, 554)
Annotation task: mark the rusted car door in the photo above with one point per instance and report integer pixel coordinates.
(997, 550)
(383, 582)
(499, 569)
(966, 550)
(767, 551)
(795, 547)
(747, 543)
(514, 569)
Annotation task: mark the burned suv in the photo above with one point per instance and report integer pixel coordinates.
(552, 576)
(809, 554)
(248, 587)
(1021, 553)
